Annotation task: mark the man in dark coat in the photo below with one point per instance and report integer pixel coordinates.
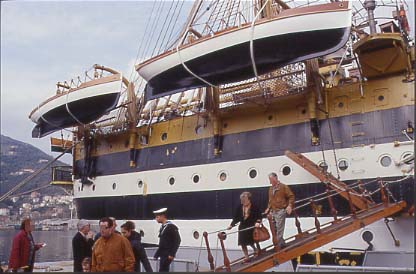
(82, 244)
(169, 240)
(127, 230)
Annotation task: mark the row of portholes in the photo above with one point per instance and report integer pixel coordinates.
(222, 176)
(385, 161)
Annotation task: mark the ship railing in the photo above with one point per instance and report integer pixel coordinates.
(385, 196)
(177, 265)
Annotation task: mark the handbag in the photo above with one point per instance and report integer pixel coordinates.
(261, 234)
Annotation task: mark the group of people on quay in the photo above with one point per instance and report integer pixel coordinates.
(114, 251)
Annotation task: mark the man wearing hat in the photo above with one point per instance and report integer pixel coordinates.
(169, 240)
(82, 244)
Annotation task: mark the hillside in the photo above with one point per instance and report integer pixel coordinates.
(18, 161)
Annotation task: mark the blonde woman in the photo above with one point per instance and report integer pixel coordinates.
(247, 214)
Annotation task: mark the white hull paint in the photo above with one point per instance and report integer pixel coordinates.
(363, 163)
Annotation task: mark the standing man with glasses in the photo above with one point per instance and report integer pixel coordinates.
(113, 227)
(111, 252)
(281, 202)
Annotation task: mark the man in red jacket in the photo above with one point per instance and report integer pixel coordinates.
(23, 248)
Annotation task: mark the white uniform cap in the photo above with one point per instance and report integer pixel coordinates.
(161, 211)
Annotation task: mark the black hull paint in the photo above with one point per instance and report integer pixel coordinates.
(219, 204)
(234, 63)
(260, 143)
(85, 110)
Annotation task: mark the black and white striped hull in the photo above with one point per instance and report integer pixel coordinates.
(208, 204)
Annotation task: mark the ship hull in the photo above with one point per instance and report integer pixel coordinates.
(134, 195)
(226, 58)
(141, 206)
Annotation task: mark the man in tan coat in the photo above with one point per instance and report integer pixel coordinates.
(111, 252)
(281, 202)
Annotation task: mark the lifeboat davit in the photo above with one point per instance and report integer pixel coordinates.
(75, 106)
(294, 35)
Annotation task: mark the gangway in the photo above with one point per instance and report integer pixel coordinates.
(305, 241)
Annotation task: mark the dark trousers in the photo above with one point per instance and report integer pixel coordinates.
(164, 264)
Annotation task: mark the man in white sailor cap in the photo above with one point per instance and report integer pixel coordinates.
(169, 240)
(82, 244)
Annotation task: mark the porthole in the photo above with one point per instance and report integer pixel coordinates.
(195, 178)
(408, 158)
(323, 165)
(385, 161)
(252, 173)
(93, 187)
(114, 186)
(380, 98)
(286, 170)
(195, 235)
(367, 236)
(343, 165)
(222, 176)
(340, 104)
(140, 183)
(198, 129)
(171, 181)
(164, 136)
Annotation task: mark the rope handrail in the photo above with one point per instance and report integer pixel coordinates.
(382, 188)
(320, 199)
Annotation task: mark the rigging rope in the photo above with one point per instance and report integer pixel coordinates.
(186, 67)
(162, 28)
(167, 29)
(332, 140)
(253, 62)
(199, 255)
(54, 125)
(70, 113)
(33, 175)
(174, 24)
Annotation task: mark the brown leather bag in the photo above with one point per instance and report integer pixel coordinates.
(261, 234)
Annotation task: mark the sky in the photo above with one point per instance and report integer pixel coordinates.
(43, 42)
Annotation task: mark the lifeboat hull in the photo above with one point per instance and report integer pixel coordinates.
(295, 35)
(82, 105)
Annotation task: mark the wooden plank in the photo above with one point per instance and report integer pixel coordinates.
(314, 240)
(319, 173)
